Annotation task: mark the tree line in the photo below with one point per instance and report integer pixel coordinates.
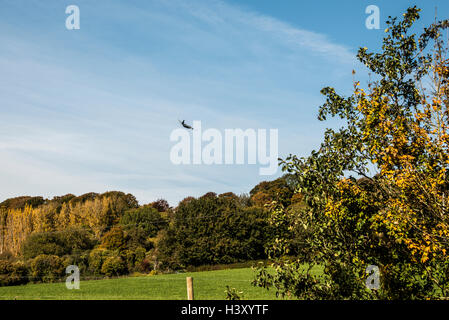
(110, 234)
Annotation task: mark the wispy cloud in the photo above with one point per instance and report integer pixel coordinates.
(218, 13)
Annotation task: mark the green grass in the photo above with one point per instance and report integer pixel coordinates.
(208, 285)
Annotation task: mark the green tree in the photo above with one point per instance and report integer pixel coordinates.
(59, 243)
(141, 224)
(395, 217)
(213, 230)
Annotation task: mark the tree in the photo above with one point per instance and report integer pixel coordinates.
(395, 217)
(161, 205)
(59, 243)
(114, 239)
(147, 218)
(280, 190)
(213, 230)
(22, 202)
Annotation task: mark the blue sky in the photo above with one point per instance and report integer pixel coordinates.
(92, 109)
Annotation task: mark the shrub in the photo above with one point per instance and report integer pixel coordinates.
(134, 258)
(96, 259)
(13, 273)
(47, 268)
(81, 260)
(139, 255)
(47, 243)
(144, 266)
(57, 243)
(114, 266)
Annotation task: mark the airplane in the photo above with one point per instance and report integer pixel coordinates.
(185, 125)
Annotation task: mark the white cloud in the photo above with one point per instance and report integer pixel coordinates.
(220, 14)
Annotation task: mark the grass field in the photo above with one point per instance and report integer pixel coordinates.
(208, 285)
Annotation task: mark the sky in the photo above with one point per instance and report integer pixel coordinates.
(92, 110)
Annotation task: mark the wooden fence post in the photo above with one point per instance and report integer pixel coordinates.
(189, 288)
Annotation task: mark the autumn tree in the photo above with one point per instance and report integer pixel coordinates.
(280, 190)
(97, 212)
(394, 213)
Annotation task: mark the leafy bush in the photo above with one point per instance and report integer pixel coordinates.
(114, 266)
(233, 294)
(144, 266)
(47, 243)
(96, 259)
(47, 268)
(134, 258)
(81, 260)
(57, 243)
(13, 273)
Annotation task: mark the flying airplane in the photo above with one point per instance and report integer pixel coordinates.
(183, 123)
